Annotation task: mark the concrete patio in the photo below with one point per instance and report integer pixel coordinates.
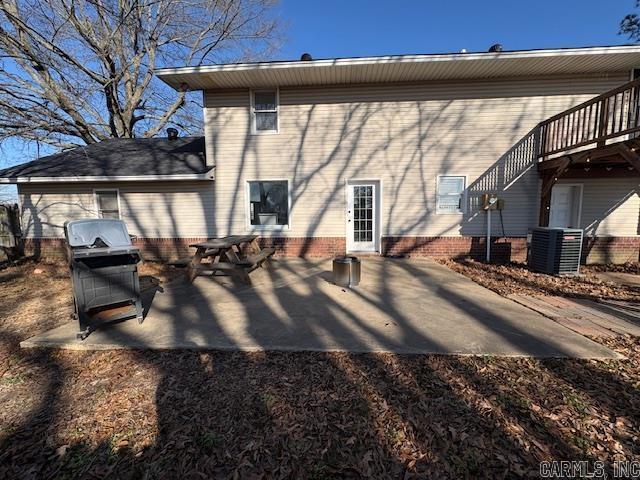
(402, 306)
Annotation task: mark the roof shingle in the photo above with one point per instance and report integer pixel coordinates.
(120, 157)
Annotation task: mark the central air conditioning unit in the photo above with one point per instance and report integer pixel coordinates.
(555, 251)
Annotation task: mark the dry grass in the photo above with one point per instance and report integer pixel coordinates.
(129, 414)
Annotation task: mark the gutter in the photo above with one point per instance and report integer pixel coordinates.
(208, 176)
(394, 59)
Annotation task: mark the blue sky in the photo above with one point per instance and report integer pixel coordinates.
(333, 28)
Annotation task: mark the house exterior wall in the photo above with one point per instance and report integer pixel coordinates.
(610, 206)
(404, 136)
(166, 216)
(610, 217)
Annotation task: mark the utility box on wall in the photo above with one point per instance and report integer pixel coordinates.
(490, 201)
(556, 251)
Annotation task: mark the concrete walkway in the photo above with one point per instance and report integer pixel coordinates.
(402, 306)
(595, 319)
(626, 279)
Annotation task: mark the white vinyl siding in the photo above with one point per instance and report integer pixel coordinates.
(150, 209)
(405, 135)
(610, 207)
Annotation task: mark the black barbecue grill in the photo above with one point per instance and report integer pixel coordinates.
(104, 271)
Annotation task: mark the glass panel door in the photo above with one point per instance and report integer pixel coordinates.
(361, 217)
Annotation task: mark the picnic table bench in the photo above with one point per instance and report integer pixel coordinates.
(235, 255)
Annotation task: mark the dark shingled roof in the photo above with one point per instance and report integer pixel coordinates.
(120, 157)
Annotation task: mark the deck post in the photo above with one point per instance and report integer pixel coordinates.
(545, 201)
(549, 179)
(603, 122)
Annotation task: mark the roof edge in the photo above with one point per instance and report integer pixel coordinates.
(117, 178)
(417, 58)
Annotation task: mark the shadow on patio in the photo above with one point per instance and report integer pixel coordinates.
(401, 306)
(159, 414)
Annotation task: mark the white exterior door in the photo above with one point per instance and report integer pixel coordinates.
(362, 216)
(564, 206)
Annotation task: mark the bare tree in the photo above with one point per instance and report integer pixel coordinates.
(630, 25)
(81, 71)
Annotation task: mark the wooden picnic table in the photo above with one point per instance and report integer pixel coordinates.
(235, 255)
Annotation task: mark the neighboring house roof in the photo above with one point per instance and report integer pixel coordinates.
(406, 68)
(119, 159)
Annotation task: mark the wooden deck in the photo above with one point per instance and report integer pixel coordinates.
(615, 113)
(596, 139)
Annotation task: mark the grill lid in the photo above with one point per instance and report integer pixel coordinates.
(85, 232)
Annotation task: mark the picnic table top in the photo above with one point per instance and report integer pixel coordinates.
(225, 242)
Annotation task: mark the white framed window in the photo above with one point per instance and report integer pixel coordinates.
(264, 111)
(107, 203)
(268, 206)
(450, 194)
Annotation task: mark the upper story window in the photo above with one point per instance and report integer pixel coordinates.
(107, 203)
(264, 111)
(450, 194)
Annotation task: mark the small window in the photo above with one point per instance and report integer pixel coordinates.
(265, 111)
(450, 198)
(269, 203)
(107, 203)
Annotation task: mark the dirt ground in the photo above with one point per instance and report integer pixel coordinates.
(133, 414)
(516, 278)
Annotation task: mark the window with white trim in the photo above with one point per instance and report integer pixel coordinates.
(264, 106)
(268, 203)
(450, 194)
(107, 203)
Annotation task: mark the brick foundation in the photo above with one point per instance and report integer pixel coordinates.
(595, 250)
(611, 249)
(306, 246)
(502, 249)
(152, 248)
(46, 248)
(166, 249)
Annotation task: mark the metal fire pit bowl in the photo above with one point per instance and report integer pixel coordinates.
(346, 271)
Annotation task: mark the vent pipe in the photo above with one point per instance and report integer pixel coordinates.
(172, 133)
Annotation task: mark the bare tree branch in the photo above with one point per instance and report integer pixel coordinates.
(80, 71)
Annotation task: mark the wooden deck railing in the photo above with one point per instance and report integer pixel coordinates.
(613, 114)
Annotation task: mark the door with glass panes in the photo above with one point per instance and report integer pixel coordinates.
(362, 214)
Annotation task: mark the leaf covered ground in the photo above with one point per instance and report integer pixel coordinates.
(516, 278)
(187, 414)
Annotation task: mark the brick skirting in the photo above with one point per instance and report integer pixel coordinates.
(174, 248)
(502, 248)
(611, 249)
(306, 246)
(152, 248)
(596, 250)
